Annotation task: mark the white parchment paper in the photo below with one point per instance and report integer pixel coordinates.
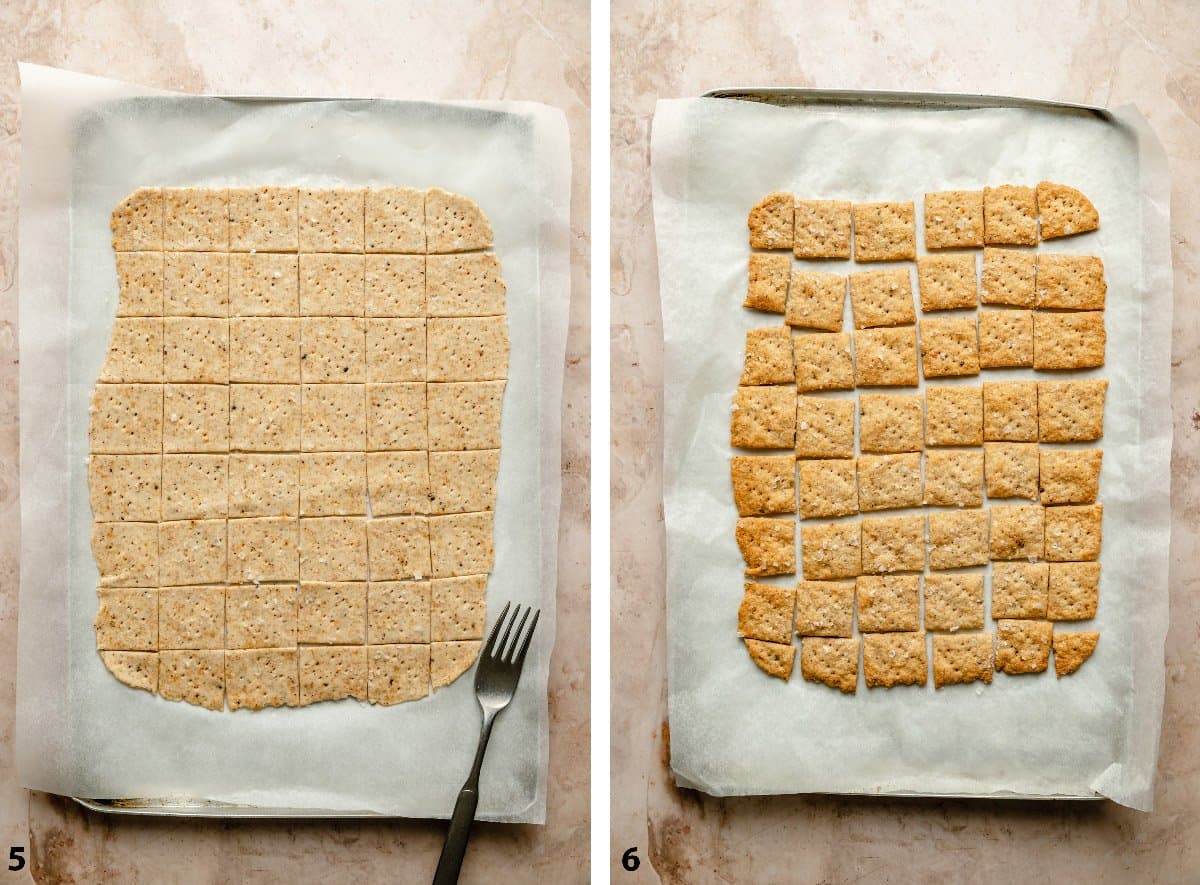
(736, 732)
(86, 142)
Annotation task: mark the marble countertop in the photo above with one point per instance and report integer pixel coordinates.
(454, 49)
(1105, 53)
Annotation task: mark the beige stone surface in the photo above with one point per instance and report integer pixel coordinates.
(1095, 52)
(456, 49)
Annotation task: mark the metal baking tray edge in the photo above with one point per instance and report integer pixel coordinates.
(203, 808)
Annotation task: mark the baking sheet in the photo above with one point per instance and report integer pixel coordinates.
(735, 731)
(86, 143)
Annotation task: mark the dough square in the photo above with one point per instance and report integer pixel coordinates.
(196, 284)
(1023, 646)
(1073, 532)
(461, 544)
(458, 608)
(396, 349)
(1018, 531)
(454, 223)
(465, 285)
(331, 673)
(824, 427)
(831, 550)
(126, 418)
(127, 488)
(891, 659)
(1008, 277)
(195, 219)
(1070, 282)
(196, 350)
(399, 548)
(953, 219)
(830, 661)
(767, 285)
(462, 482)
(395, 219)
(954, 478)
(333, 350)
(137, 222)
(264, 417)
(893, 544)
(139, 669)
(127, 620)
(882, 298)
(949, 346)
(766, 612)
(262, 677)
(466, 415)
(1010, 215)
(196, 418)
(1071, 411)
(1005, 339)
(449, 660)
(333, 484)
(891, 422)
(816, 300)
(264, 485)
(823, 361)
(263, 548)
(821, 229)
(397, 418)
(332, 220)
(827, 488)
(962, 659)
(1068, 340)
(953, 415)
(332, 285)
(126, 553)
(884, 232)
(264, 350)
(135, 351)
(1010, 411)
(140, 284)
(958, 539)
(768, 546)
(333, 418)
(886, 357)
(1011, 470)
(824, 608)
(762, 484)
(772, 222)
(263, 219)
(397, 673)
(947, 282)
(763, 418)
(1074, 591)
(1071, 650)
(889, 482)
(264, 284)
(333, 613)
(768, 357)
(197, 677)
(192, 552)
(195, 486)
(1070, 476)
(888, 603)
(333, 548)
(398, 611)
(191, 617)
(398, 482)
(395, 285)
(1064, 211)
(954, 601)
(468, 348)
(1019, 589)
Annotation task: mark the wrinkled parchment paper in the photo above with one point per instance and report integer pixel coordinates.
(733, 730)
(86, 142)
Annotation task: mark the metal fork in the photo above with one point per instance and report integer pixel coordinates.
(496, 680)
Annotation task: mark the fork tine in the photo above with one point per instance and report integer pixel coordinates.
(520, 659)
(491, 640)
(510, 647)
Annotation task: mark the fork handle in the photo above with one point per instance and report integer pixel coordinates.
(455, 847)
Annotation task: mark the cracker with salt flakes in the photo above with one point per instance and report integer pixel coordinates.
(1070, 282)
(824, 427)
(953, 219)
(830, 661)
(958, 538)
(1073, 340)
(467, 348)
(884, 232)
(264, 350)
(454, 223)
(1074, 532)
(1011, 469)
(461, 544)
(399, 482)
(196, 284)
(886, 357)
(1010, 411)
(947, 282)
(762, 484)
(1005, 339)
(395, 220)
(332, 613)
(1017, 531)
(773, 658)
(1010, 215)
(767, 286)
(194, 676)
(962, 658)
(126, 553)
(1070, 476)
(763, 418)
(888, 603)
(127, 620)
(464, 482)
(766, 612)
(949, 347)
(1020, 589)
(140, 284)
(196, 350)
(772, 222)
(891, 659)
(191, 617)
(954, 601)
(333, 548)
(831, 551)
(827, 488)
(953, 415)
(1008, 277)
(1071, 650)
(1074, 591)
(768, 546)
(1071, 411)
(1064, 211)
(1023, 646)
(889, 482)
(821, 229)
(195, 219)
(823, 361)
(882, 298)
(263, 548)
(824, 608)
(893, 544)
(264, 284)
(954, 477)
(891, 422)
(816, 300)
